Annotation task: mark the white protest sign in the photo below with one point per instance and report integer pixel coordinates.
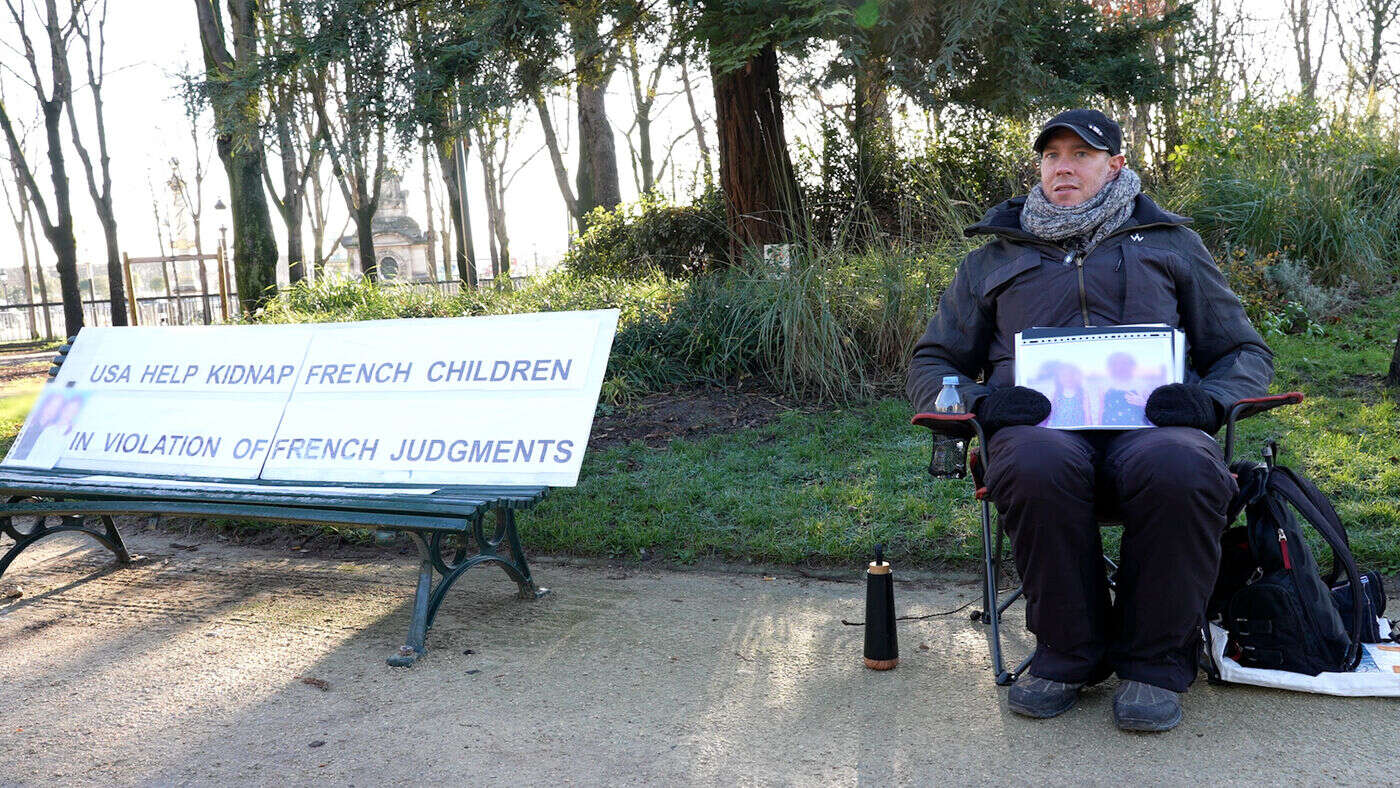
(199, 401)
(486, 400)
(490, 400)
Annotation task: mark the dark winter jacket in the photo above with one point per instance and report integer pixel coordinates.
(1151, 270)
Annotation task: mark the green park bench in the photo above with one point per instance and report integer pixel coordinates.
(447, 522)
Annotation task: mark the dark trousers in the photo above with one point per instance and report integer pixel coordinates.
(1170, 488)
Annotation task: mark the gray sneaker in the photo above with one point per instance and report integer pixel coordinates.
(1143, 707)
(1033, 696)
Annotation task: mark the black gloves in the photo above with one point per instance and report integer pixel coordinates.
(1008, 407)
(1184, 405)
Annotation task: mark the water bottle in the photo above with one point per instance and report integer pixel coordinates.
(949, 454)
(949, 398)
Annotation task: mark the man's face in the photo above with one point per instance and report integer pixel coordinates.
(1072, 170)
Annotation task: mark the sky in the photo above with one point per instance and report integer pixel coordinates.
(150, 42)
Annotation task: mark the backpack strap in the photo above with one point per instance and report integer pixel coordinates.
(1317, 510)
(1253, 481)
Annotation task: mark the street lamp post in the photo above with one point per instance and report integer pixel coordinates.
(223, 256)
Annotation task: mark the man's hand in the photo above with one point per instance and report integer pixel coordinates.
(1184, 405)
(1008, 407)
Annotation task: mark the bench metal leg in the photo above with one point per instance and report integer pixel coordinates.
(517, 568)
(429, 597)
(108, 537)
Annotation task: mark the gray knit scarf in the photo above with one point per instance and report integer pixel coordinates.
(1089, 222)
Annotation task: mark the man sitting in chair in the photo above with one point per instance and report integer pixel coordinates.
(1084, 248)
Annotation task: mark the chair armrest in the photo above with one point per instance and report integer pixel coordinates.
(1253, 406)
(952, 425)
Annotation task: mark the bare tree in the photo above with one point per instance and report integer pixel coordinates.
(162, 220)
(95, 43)
(695, 118)
(556, 152)
(18, 207)
(318, 207)
(1301, 16)
(444, 221)
(494, 136)
(1364, 44)
(58, 223)
(645, 93)
(425, 147)
(492, 146)
(298, 152)
(191, 199)
(350, 93)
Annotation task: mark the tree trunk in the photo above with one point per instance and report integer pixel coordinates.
(115, 272)
(364, 237)
(461, 211)
(762, 202)
(644, 99)
(254, 245)
(315, 212)
(428, 203)
(644, 152)
(445, 222)
(28, 279)
(873, 131)
(60, 234)
(556, 155)
(43, 285)
(240, 147)
(597, 179)
(29, 296)
(293, 195)
(695, 120)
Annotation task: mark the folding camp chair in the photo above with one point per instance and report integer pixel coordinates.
(963, 427)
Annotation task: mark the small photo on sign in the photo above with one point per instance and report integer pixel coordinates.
(1110, 393)
(46, 435)
(1097, 378)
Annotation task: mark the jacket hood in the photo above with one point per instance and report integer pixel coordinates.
(1005, 219)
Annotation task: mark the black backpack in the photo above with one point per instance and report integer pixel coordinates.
(1279, 609)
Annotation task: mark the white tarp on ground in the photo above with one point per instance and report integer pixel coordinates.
(475, 400)
(1378, 675)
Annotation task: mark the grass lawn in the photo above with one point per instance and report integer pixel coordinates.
(824, 488)
(16, 398)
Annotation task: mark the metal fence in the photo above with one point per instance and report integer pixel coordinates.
(181, 310)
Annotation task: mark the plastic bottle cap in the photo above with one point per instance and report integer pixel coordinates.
(950, 380)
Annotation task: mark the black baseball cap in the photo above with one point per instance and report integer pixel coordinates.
(1093, 126)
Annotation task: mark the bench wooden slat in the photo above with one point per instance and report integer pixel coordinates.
(464, 501)
(294, 514)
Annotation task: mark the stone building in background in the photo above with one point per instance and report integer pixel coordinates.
(399, 244)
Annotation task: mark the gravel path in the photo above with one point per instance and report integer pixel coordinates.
(222, 664)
